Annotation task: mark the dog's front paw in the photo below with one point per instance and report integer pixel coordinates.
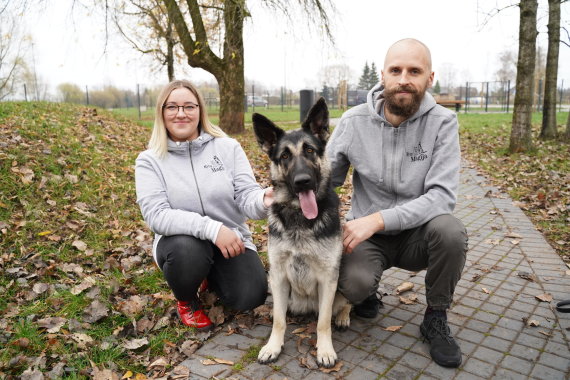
(268, 353)
(342, 320)
(326, 357)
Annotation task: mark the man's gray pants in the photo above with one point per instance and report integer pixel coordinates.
(440, 245)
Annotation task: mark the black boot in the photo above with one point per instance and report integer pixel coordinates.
(368, 308)
(444, 350)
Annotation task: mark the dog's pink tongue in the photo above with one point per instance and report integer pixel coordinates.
(308, 204)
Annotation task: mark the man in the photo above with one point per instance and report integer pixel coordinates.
(404, 149)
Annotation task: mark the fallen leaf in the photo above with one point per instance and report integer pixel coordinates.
(81, 246)
(336, 367)
(128, 375)
(52, 324)
(135, 344)
(393, 328)
(95, 311)
(485, 290)
(308, 361)
(545, 333)
(132, 306)
(216, 315)
(180, 372)
(404, 287)
(410, 300)
(514, 235)
(527, 276)
(515, 242)
(85, 284)
(546, 297)
(82, 340)
(299, 330)
(208, 362)
(533, 323)
(160, 362)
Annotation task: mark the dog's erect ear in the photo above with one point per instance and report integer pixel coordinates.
(317, 121)
(266, 132)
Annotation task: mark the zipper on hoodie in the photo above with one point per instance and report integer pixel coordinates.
(394, 181)
(194, 175)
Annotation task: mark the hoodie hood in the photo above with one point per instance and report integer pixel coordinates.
(375, 101)
(182, 146)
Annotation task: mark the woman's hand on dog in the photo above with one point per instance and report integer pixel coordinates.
(229, 243)
(357, 230)
(268, 197)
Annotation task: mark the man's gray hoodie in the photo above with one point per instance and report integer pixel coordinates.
(196, 187)
(409, 173)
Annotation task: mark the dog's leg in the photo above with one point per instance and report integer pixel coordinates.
(326, 355)
(280, 289)
(342, 308)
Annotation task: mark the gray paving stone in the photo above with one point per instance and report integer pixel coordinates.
(506, 374)
(516, 364)
(207, 371)
(498, 344)
(524, 352)
(555, 361)
(478, 367)
(471, 336)
(488, 355)
(400, 371)
(360, 373)
(543, 372)
(257, 371)
(353, 354)
(376, 364)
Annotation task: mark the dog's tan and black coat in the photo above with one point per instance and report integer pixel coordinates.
(305, 235)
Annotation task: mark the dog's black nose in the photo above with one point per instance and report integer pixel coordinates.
(302, 181)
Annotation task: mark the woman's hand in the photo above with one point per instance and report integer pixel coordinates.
(229, 243)
(268, 197)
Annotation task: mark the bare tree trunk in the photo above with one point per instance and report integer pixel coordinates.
(521, 133)
(548, 130)
(567, 133)
(232, 79)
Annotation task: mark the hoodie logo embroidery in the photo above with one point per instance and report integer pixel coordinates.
(216, 165)
(418, 153)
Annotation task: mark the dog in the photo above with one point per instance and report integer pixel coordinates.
(305, 235)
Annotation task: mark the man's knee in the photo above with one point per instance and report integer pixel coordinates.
(447, 232)
(357, 285)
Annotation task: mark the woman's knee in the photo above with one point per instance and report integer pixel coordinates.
(183, 249)
(249, 294)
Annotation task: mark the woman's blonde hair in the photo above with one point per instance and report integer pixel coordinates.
(159, 138)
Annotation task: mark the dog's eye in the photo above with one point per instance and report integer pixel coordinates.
(284, 156)
(310, 150)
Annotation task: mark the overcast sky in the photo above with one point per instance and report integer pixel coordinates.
(70, 47)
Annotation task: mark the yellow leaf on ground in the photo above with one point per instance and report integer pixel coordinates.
(393, 328)
(127, 375)
(44, 233)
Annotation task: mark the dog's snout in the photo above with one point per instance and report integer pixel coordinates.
(302, 181)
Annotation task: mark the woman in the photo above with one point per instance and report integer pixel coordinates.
(195, 188)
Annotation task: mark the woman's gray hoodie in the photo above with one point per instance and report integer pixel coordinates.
(409, 173)
(196, 187)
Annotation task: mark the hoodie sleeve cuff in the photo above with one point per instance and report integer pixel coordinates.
(391, 220)
(212, 229)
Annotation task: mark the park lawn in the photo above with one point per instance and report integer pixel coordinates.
(79, 289)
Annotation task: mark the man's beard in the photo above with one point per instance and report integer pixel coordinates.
(403, 107)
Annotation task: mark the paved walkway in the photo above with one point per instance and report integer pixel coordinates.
(508, 265)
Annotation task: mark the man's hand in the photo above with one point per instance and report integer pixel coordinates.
(229, 243)
(357, 230)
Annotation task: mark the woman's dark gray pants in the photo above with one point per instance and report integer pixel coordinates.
(240, 282)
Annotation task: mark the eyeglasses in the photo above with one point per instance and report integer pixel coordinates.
(172, 109)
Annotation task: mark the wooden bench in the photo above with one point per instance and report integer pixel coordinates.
(450, 103)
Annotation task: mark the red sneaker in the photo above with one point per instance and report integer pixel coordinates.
(203, 286)
(197, 319)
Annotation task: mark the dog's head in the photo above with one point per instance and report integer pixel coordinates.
(298, 161)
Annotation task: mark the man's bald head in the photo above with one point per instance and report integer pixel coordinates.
(409, 43)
